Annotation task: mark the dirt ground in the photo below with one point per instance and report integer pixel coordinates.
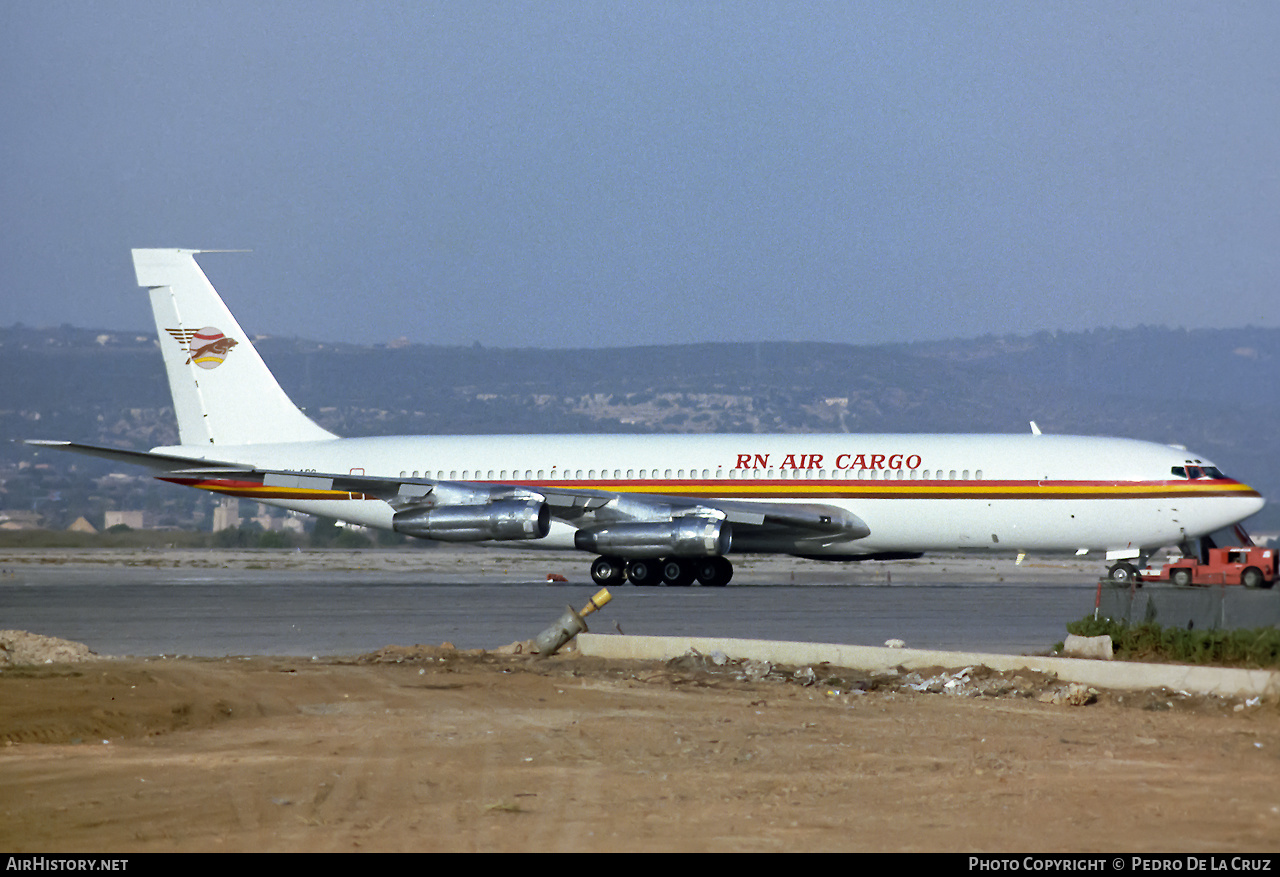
(429, 749)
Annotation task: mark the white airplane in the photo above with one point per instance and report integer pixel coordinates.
(663, 508)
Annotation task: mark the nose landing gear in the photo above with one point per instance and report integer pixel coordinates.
(1124, 573)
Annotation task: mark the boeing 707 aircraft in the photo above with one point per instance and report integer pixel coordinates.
(662, 508)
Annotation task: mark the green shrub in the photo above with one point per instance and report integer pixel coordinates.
(1255, 648)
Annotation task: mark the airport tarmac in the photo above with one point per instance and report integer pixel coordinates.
(431, 749)
(348, 602)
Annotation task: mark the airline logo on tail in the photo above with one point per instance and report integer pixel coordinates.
(207, 347)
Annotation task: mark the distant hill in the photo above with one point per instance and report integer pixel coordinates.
(1215, 391)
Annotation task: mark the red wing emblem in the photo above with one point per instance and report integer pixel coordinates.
(207, 347)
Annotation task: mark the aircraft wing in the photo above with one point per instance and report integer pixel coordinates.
(755, 525)
(577, 506)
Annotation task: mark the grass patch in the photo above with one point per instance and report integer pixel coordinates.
(1256, 648)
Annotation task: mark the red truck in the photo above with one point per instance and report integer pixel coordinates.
(1249, 565)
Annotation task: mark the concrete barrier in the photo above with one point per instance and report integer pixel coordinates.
(1124, 675)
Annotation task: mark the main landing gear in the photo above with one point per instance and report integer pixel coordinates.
(675, 571)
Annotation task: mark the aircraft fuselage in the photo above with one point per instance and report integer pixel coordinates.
(915, 492)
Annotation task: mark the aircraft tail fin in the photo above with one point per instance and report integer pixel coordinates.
(223, 393)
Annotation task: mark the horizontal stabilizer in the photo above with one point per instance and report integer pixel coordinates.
(162, 462)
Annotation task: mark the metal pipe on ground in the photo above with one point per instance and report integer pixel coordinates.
(569, 625)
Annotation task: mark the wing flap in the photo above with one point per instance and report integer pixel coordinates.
(291, 480)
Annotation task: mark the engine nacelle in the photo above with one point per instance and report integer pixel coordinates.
(502, 520)
(682, 537)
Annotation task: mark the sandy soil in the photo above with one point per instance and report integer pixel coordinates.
(429, 749)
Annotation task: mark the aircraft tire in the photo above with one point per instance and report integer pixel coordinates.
(1124, 573)
(644, 572)
(607, 571)
(714, 572)
(678, 572)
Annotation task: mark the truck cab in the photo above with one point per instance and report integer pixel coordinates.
(1250, 565)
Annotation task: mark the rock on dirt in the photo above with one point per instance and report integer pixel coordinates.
(21, 647)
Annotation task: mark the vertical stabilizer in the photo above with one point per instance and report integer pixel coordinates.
(223, 392)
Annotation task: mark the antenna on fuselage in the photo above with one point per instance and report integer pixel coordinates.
(1035, 430)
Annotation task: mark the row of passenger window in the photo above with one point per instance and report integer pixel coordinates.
(679, 474)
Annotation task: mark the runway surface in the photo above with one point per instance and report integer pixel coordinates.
(142, 611)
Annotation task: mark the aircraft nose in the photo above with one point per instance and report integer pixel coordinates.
(1254, 505)
(1249, 504)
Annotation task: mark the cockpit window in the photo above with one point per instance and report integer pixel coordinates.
(1193, 472)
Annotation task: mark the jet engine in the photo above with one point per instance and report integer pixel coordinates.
(499, 520)
(682, 537)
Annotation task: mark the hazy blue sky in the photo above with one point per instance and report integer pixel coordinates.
(599, 173)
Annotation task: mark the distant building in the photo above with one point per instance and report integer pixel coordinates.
(134, 520)
(20, 519)
(289, 522)
(80, 525)
(227, 514)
